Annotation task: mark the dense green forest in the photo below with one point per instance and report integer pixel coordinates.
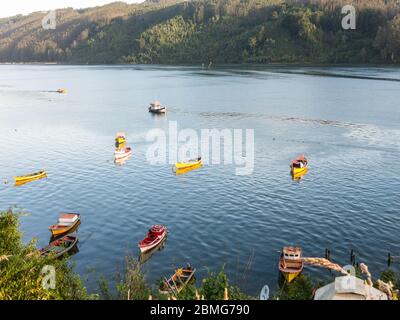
(200, 31)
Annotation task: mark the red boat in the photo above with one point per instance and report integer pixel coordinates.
(154, 237)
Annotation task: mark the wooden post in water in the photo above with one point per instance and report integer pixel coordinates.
(327, 254)
(352, 257)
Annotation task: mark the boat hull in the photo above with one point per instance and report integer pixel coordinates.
(299, 171)
(62, 231)
(185, 165)
(290, 276)
(145, 247)
(148, 248)
(70, 242)
(27, 178)
(163, 110)
(119, 156)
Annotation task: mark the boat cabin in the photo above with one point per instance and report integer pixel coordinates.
(155, 105)
(291, 259)
(292, 253)
(299, 162)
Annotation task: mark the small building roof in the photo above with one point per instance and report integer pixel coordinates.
(349, 288)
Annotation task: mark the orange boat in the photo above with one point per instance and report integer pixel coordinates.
(67, 223)
(291, 263)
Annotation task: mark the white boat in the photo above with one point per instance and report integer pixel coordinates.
(123, 153)
(156, 107)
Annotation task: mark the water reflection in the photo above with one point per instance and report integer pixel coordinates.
(122, 161)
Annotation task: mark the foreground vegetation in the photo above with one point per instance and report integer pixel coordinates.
(21, 268)
(22, 278)
(200, 31)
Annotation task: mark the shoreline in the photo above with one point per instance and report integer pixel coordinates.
(215, 65)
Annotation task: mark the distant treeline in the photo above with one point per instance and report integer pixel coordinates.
(221, 31)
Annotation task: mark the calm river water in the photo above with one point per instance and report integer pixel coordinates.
(346, 120)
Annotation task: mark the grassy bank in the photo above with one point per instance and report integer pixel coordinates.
(22, 277)
(21, 268)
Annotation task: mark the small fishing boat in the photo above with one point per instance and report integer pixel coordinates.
(59, 247)
(299, 165)
(178, 281)
(154, 237)
(186, 170)
(156, 107)
(188, 164)
(32, 176)
(122, 154)
(67, 223)
(291, 263)
(62, 91)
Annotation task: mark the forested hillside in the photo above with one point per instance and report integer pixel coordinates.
(199, 31)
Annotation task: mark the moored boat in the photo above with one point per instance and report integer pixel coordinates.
(154, 237)
(32, 176)
(67, 223)
(185, 170)
(291, 263)
(59, 247)
(122, 154)
(156, 107)
(299, 165)
(189, 164)
(178, 281)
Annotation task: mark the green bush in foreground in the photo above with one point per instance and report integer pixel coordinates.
(302, 288)
(21, 267)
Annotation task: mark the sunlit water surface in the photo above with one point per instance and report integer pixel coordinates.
(344, 121)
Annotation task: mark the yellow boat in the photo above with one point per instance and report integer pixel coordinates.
(291, 263)
(67, 223)
(185, 170)
(189, 164)
(33, 176)
(299, 166)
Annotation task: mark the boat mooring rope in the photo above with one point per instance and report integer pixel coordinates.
(325, 263)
